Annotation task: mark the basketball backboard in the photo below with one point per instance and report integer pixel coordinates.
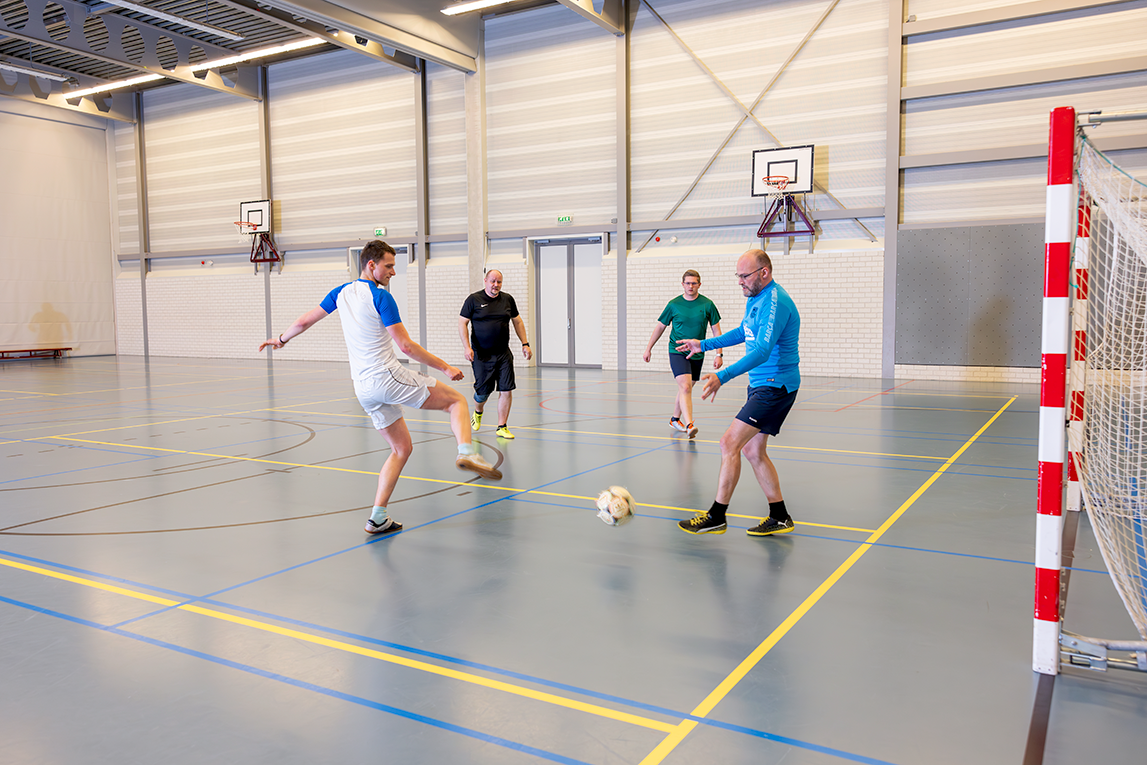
(794, 162)
(258, 214)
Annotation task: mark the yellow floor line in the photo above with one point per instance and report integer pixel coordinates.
(662, 750)
(497, 487)
(339, 645)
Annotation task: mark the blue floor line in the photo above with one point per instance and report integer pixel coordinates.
(115, 630)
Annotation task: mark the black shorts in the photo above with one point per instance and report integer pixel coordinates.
(767, 408)
(683, 366)
(494, 371)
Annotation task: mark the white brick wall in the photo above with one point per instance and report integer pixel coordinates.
(839, 296)
(206, 316)
(969, 374)
(447, 288)
(128, 315)
(293, 293)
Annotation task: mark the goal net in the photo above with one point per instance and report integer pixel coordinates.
(1111, 459)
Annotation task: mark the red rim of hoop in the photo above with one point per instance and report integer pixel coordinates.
(245, 224)
(778, 182)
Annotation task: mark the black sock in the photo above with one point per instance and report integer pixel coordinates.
(778, 512)
(718, 510)
(675, 419)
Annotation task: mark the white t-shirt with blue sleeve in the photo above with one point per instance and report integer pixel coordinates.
(366, 310)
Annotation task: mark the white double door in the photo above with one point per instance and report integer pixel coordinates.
(569, 301)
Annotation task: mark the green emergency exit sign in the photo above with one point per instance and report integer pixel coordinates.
(380, 231)
(565, 220)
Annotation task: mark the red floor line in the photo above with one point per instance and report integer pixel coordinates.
(874, 395)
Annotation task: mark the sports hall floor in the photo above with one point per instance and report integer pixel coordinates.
(184, 579)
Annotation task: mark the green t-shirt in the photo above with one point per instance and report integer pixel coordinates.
(690, 319)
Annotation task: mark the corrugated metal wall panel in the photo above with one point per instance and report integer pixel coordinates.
(1016, 116)
(202, 161)
(981, 191)
(342, 148)
(446, 147)
(127, 198)
(1075, 37)
(551, 120)
(831, 95)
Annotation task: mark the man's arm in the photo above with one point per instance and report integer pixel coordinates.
(464, 333)
(520, 329)
(415, 351)
(719, 357)
(658, 331)
(301, 325)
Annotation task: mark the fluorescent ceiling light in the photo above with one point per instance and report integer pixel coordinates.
(208, 28)
(34, 72)
(239, 58)
(473, 5)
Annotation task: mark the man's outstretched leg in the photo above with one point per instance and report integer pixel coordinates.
(445, 398)
(398, 436)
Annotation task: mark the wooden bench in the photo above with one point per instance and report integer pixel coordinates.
(32, 353)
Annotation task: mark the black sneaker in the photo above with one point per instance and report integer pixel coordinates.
(703, 523)
(386, 527)
(772, 526)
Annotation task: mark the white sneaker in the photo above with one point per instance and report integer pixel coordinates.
(677, 425)
(691, 429)
(476, 463)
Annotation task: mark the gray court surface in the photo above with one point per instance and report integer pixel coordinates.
(184, 578)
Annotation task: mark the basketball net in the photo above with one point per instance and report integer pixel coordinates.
(262, 248)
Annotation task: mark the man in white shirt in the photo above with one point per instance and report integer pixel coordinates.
(372, 327)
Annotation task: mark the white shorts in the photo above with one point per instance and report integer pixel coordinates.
(383, 396)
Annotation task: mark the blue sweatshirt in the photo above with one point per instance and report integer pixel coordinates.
(769, 332)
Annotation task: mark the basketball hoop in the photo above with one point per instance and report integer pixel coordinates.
(245, 228)
(777, 185)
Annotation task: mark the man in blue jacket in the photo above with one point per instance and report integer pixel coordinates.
(769, 331)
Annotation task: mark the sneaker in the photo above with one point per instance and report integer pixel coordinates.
(691, 429)
(703, 523)
(676, 425)
(503, 432)
(386, 527)
(772, 526)
(477, 463)
(475, 420)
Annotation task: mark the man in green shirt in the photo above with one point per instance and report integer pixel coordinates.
(691, 315)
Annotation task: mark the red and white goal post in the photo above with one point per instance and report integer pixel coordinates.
(1095, 308)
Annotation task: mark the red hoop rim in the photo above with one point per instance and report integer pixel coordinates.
(246, 224)
(778, 182)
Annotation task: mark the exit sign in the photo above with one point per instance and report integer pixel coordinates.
(565, 220)
(381, 231)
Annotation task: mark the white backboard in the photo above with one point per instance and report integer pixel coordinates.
(258, 213)
(795, 162)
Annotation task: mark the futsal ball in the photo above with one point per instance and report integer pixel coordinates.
(615, 506)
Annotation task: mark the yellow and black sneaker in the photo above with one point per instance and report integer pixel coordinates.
(703, 523)
(475, 420)
(772, 526)
(503, 432)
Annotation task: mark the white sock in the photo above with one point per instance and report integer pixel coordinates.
(378, 515)
(467, 449)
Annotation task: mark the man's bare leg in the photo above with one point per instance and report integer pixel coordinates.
(505, 398)
(683, 406)
(735, 438)
(763, 467)
(398, 436)
(445, 398)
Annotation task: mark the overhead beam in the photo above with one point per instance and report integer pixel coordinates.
(1030, 77)
(997, 15)
(342, 38)
(609, 19)
(338, 17)
(76, 42)
(116, 105)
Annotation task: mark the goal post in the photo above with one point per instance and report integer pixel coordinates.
(1094, 308)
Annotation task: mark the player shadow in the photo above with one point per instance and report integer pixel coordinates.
(50, 326)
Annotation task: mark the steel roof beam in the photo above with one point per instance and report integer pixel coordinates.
(342, 38)
(116, 106)
(609, 19)
(76, 42)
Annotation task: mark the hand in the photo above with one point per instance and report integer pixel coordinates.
(469, 354)
(273, 342)
(527, 352)
(692, 346)
(718, 361)
(647, 356)
(710, 384)
(454, 373)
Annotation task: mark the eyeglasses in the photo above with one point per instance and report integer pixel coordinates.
(743, 277)
(691, 284)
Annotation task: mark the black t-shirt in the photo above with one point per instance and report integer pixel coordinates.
(489, 322)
